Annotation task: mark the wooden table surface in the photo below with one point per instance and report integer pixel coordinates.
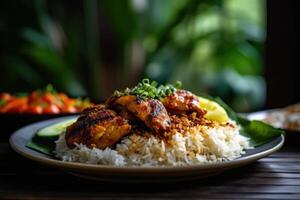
(273, 177)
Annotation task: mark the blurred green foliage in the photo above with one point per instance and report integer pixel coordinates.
(94, 47)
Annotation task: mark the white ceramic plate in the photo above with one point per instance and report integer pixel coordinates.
(133, 174)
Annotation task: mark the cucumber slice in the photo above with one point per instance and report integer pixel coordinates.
(55, 130)
(45, 149)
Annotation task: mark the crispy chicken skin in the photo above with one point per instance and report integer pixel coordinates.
(97, 127)
(182, 101)
(150, 111)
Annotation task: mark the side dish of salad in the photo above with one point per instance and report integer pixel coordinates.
(46, 101)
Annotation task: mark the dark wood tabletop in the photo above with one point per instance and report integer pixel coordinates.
(273, 177)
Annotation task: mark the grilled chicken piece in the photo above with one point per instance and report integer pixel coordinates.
(97, 127)
(125, 113)
(150, 111)
(183, 101)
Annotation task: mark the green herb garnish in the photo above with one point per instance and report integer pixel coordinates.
(82, 102)
(50, 88)
(2, 102)
(21, 94)
(149, 90)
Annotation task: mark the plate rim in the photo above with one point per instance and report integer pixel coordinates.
(51, 162)
(258, 115)
(251, 116)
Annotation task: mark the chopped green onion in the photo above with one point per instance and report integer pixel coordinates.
(149, 89)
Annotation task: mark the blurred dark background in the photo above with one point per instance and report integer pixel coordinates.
(282, 70)
(244, 51)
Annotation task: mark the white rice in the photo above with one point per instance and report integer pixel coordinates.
(198, 145)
